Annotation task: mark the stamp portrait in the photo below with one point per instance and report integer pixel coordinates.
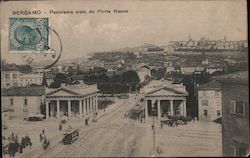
(28, 34)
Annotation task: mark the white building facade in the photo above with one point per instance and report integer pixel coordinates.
(9, 78)
(71, 102)
(22, 100)
(209, 101)
(166, 98)
(18, 79)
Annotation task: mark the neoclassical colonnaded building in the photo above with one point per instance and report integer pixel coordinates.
(167, 98)
(71, 101)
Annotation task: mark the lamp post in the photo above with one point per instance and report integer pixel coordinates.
(153, 126)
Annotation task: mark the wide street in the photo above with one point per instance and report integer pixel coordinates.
(111, 135)
(114, 135)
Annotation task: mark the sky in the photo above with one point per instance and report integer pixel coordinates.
(155, 22)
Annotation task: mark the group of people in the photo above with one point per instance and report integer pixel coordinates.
(17, 145)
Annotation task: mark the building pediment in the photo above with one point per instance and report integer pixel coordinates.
(62, 92)
(166, 92)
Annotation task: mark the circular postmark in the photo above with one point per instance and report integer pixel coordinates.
(41, 59)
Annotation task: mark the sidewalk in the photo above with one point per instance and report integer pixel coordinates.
(51, 127)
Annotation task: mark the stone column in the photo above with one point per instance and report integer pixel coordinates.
(89, 102)
(57, 108)
(80, 108)
(184, 108)
(146, 109)
(92, 103)
(87, 106)
(69, 108)
(158, 109)
(171, 107)
(84, 107)
(47, 108)
(96, 102)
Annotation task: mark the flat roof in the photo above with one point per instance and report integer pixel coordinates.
(240, 76)
(24, 91)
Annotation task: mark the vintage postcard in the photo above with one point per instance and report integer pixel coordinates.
(130, 78)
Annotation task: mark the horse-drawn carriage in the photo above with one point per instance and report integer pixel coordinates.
(173, 122)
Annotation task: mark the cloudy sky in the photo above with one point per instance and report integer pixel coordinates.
(155, 22)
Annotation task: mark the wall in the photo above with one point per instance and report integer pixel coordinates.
(33, 105)
(234, 127)
(214, 104)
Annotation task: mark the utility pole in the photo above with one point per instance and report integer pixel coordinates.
(154, 133)
(153, 126)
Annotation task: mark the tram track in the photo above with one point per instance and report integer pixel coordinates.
(98, 145)
(107, 124)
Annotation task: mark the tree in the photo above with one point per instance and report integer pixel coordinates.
(99, 70)
(59, 78)
(131, 78)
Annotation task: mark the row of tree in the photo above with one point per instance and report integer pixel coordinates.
(116, 83)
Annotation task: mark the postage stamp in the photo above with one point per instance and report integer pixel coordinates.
(29, 35)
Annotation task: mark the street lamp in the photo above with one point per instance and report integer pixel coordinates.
(153, 126)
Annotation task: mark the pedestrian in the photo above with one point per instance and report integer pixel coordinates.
(23, 143)
(96, 113)
(20, 147)
(141, 119)
(11, 149)
(28, 140)
(86, 123)
(12, 136)
(60, 127)
(152, 127)
(41, 137)
(161, 124)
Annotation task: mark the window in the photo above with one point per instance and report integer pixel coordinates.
(205, 112)
(11, 101)
(25, 109)
(237, 107)
(7, 76)
(217, 93)
(204, 102)
(25, 102)
(11, 105)
(218, 112)
(14, 76)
